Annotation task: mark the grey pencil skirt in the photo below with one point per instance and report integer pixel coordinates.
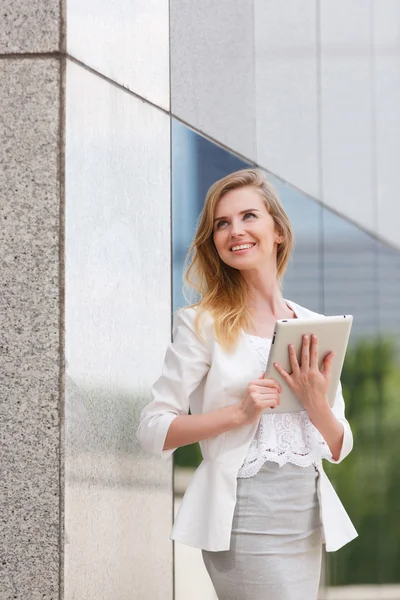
(276, 540)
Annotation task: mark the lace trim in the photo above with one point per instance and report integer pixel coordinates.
(261, 347)
(284, 437)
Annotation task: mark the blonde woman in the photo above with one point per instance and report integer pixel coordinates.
(259, 505)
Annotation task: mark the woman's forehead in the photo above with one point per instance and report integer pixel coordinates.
(237, 200)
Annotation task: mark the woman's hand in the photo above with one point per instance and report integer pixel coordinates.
(260, 394)
(308, 383)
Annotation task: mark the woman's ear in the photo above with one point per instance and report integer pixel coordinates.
(279, 235)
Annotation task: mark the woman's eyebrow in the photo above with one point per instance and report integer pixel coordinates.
(241, 213)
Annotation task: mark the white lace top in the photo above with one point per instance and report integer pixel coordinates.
(284, 437)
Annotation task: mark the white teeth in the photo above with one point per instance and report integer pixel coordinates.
(242, 247)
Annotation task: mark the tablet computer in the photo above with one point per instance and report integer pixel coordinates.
(333, 335)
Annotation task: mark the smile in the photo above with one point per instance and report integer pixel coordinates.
(241, 247)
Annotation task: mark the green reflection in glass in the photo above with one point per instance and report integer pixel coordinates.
(368, 481)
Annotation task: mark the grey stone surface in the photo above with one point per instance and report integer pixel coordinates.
(118, 501)
(286, 90)
(347, 107)
(386, 42)
(212, 70)
(125, 41)
(29, 26)
(29, 329)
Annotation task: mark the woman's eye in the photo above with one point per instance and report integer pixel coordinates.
(244, 217)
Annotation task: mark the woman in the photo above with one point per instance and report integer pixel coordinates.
(260, 505)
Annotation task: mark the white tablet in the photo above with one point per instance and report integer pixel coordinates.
(333, 335)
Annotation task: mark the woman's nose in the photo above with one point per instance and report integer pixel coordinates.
(237, 229)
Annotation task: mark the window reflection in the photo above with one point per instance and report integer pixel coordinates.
(349, 274)
(196, 164)
(303, 278)
(388, 362)
(351, 284)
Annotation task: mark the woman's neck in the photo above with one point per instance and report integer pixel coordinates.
(265, 301)
(265, 294)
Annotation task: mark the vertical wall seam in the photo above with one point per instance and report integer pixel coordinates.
(375, 213)
(63, 26)
(61, 275)
(374, 153)
(171, 264)
(319, 147)
(61, 271)
(254, 54)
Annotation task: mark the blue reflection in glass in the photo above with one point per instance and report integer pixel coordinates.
(196, 164)
(389, 292)
(388, 364)
(350, 274)
(303, 278)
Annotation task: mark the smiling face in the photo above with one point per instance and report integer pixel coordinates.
(244, 232)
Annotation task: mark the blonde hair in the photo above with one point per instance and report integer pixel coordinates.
(223, 291)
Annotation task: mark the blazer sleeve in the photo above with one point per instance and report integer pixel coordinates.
(338, 410)
(187, 361)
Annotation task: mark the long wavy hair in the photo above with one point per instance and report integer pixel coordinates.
(222, 289)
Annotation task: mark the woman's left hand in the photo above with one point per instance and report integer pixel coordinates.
(308, 383)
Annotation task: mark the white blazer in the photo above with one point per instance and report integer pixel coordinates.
(203, 376)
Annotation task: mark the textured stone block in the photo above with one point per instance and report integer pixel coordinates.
(32, 26)
(29, 329)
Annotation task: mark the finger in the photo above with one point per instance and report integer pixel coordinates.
(269, 393)
(314, 352)
(305, 353)
(293, 360)
(327, 368)
(272, 383)
(285, 376)
(262, 399)
(271, 402)
(265, 382)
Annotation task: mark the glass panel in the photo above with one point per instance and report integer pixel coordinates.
(349, 274)
(118, 501)
(303, 279)
(350, 287)
(389, 393)
(196, 164)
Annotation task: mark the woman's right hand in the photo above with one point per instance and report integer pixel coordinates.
(260, 394)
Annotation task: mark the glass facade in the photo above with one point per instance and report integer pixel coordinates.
(336, 268)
